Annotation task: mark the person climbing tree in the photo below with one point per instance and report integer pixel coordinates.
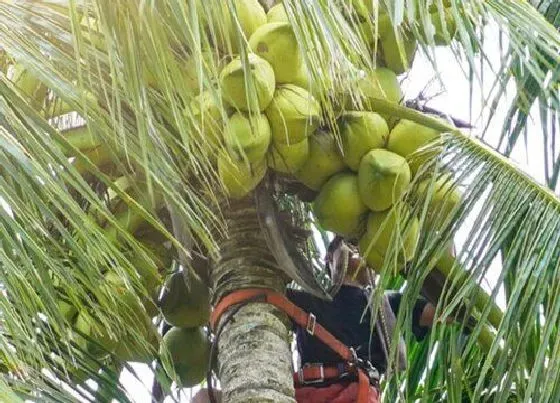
(323, 376)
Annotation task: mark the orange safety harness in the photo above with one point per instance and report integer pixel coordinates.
(308, 374)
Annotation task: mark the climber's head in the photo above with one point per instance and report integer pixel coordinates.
(356, 270)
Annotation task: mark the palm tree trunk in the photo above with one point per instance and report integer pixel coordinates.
(254, 356)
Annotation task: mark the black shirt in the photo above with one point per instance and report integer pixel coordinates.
(344, 317)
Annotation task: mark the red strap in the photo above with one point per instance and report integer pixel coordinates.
(309, 375)
(363, 387)
(298, 315)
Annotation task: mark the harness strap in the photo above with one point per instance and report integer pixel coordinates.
(298, 315)
(303, 319)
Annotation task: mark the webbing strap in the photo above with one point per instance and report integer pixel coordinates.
(298, 315)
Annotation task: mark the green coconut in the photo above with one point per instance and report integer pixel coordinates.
(207, 111)
(288, 158)
(293, 114)
(398, 59)
(250, 15)
(361, 132)
(184, 306)
(247, 136)
(239, 177)
(323, 162)
(407, 137)
(191, 72)
(339, 208)
(381, 83)
(185, 353)
(381, 228)
(443, 199)
(246, 94)
(277, 43)
(277, 14)
(383, 177)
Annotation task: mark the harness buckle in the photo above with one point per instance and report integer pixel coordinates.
(321, 378)
(310, 327)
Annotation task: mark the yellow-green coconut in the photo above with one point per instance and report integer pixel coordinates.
(288, 158)
(398, 58)
(383, 177)
(207, 111)
(293, 114)
(361, 131)
(442, 196)
(249, 13)
(407, 137)
(277, 13)
(277, 43)
(339, 208)
(323, 162)
(239, 177)
(247, 136)
(185, 353)
(381, 227)
(252, 92)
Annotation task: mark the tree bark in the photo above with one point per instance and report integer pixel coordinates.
(254, 356)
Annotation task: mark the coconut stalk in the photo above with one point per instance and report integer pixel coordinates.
(254, 357)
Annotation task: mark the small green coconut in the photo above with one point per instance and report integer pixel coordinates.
(239, 177)
(323, 162)
(276, 43)
(185, 306)
(293, 114)
(381, 228)
(247, 136)
(383, 177)
(398, 59)
(407, 137)
(381, 83)
(443, 198)
(207, 111)
(288, 158)
(361, 132)
(338, 206)
(250, 15)
(252, 92)
(185, 353)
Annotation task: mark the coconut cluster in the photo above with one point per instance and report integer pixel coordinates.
(361, 167)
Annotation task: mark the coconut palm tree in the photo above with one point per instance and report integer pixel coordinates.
(107, 169)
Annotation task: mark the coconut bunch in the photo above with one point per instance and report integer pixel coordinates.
(134, 298)
(273, 112)
(145, 247)
(185, 350)
(361, 168)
